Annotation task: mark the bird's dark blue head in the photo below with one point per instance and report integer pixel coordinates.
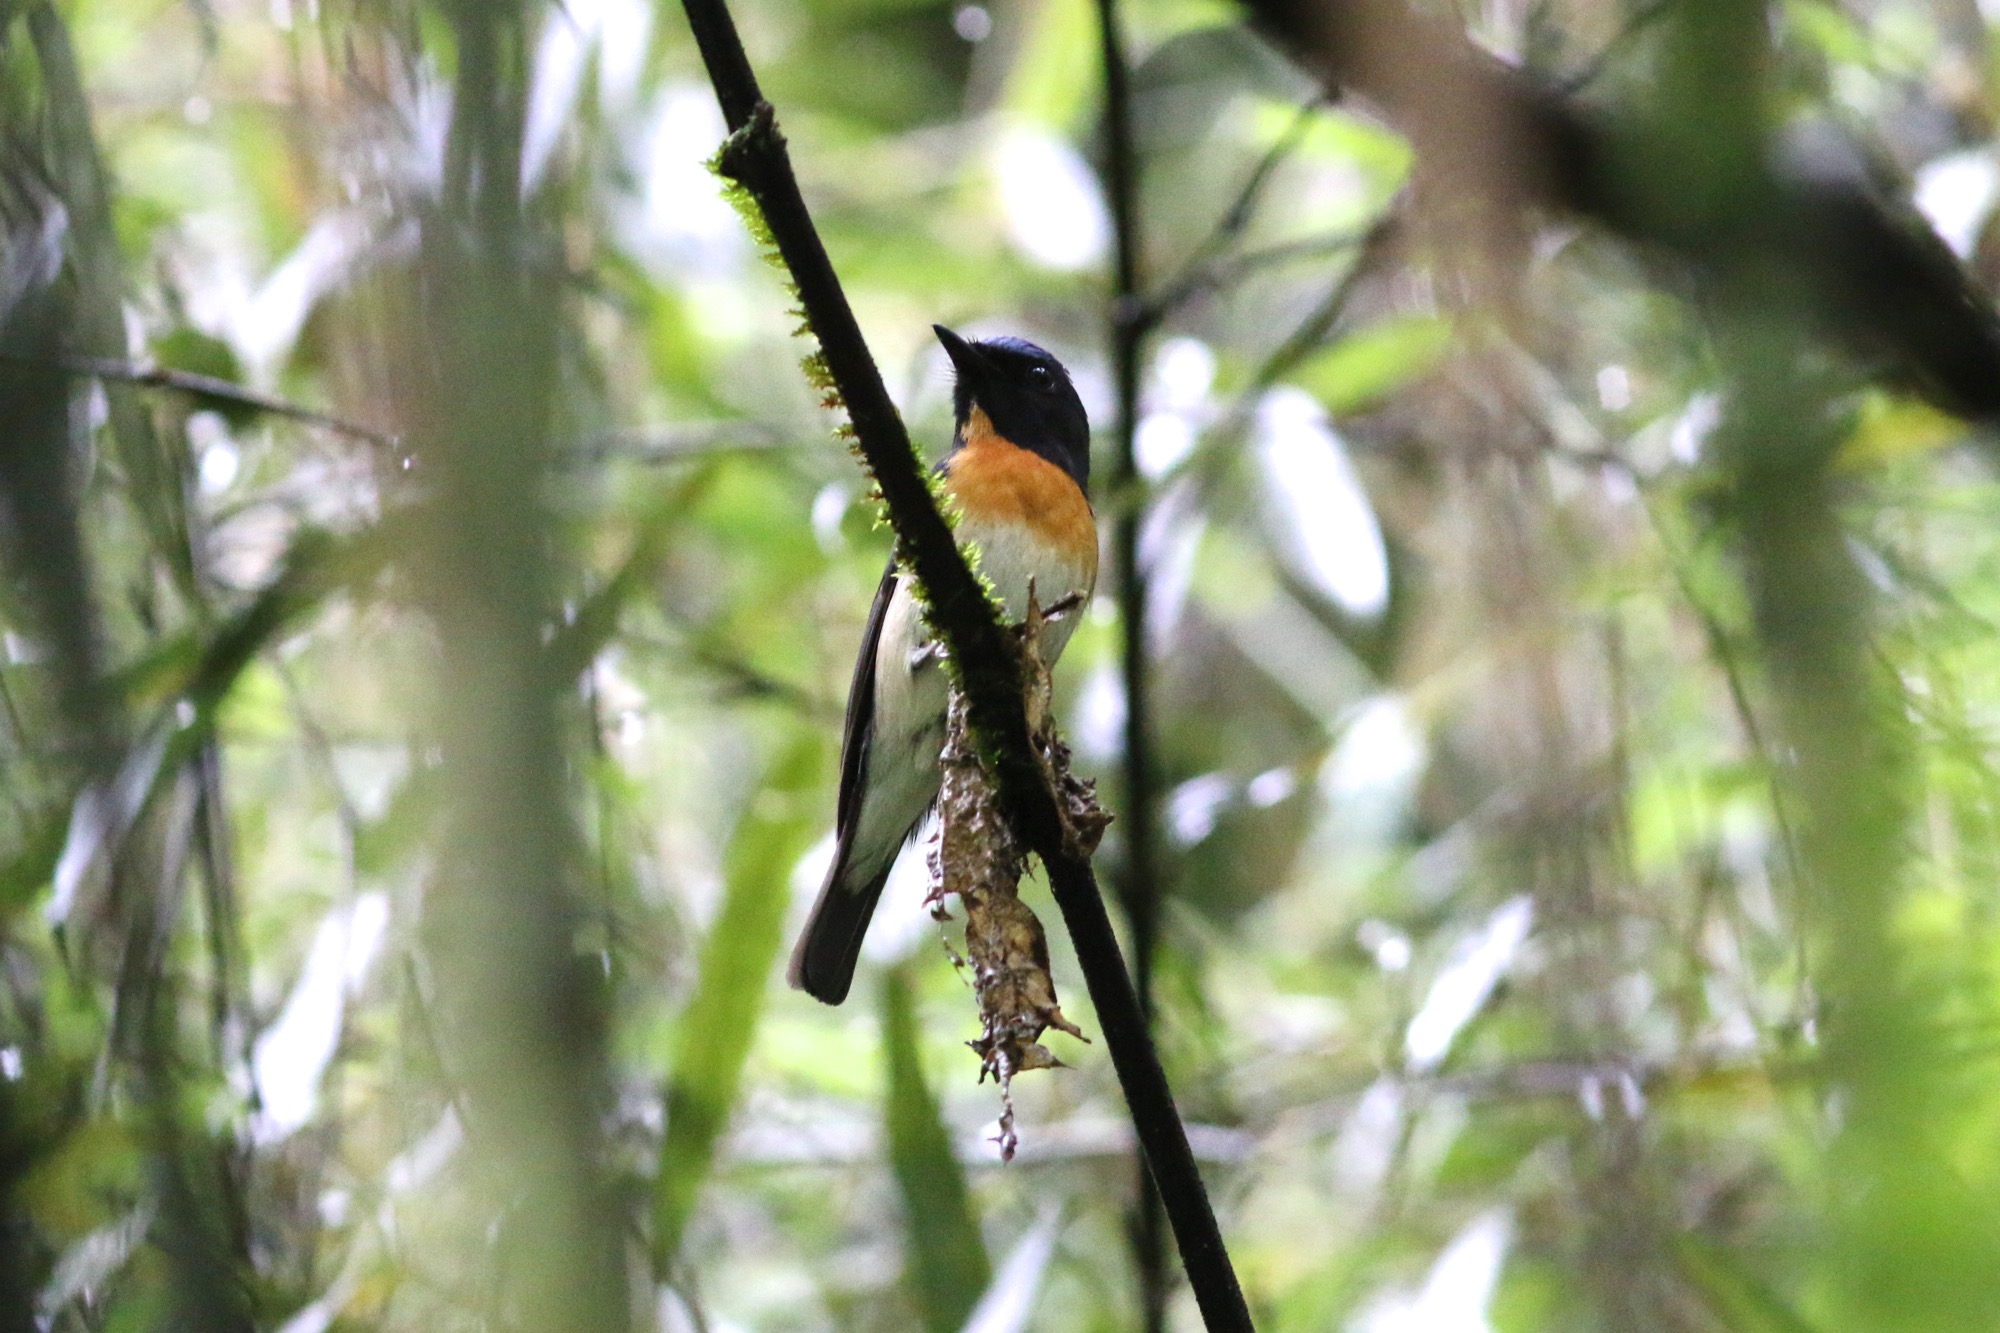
(1025, 393)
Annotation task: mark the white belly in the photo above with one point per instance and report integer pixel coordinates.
(910, 684)
(1009, 558)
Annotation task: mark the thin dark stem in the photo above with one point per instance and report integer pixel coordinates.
(211, 389)
(1218, 272)
(227, 998)
(1728, 661)
(1204, 267)
(1121, 175)
(1305, 339)
(1137, 880)
(1221, 441)
(1136, 885)
(200, 1211)
(986, 663)
(689, 442)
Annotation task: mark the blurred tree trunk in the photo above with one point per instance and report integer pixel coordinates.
(523, 1010)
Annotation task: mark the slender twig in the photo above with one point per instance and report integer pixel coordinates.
(1220, 443)
(983, 657)
(1198, 272)
(200, 1207)
(432, 1042)
(1137, 877)
(1220, 271)
(228, 991)
(320, 748)
(213, 389)
(1311, 331)
(687, 442)
(15, 729)
(1727, 660)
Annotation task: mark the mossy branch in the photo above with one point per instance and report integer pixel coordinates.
(984, 657)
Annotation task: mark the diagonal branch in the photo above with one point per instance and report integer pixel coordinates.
(211, 391)
(985, 660)
(1865, 273)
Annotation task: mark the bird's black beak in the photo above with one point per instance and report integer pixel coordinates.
(965, 358)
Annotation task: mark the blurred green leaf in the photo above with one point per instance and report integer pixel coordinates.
(716, 1030)
(1056, 69)
(1738, 1299)
(1837, 35)
(1365, 367)
(89, 1179)
(1889, 427)
(190, 349)
(577, 643)
(946, 1262)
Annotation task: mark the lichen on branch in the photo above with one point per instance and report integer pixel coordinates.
(732, 165)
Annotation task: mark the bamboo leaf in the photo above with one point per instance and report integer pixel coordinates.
(945, 1260)
(716, 1031)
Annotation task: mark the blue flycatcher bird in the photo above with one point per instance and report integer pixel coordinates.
(1018, 466)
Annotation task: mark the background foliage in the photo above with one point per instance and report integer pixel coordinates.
(1572, 687)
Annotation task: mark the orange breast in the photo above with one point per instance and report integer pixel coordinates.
(995, 481)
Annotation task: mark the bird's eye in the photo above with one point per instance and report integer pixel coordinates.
(1042, 378)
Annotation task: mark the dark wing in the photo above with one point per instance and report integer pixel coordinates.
(823, 959)
(854, 734)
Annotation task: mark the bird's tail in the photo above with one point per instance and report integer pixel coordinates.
(824, 958)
